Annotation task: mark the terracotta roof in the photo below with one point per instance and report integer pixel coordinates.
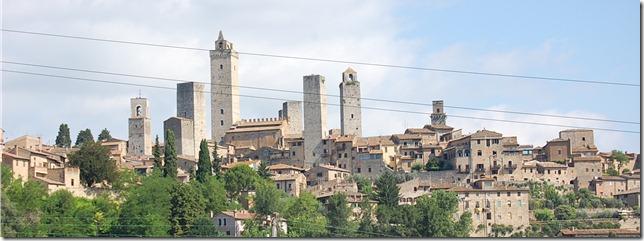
(557, 140)
(239, 214)
(586, 159)
(49, 181)
(281, 166)
(419, 131)
(631, 176)
(494, 189)
(329, 167)
(407, 136)
(532, 163)
(484, 134)
(113, 140)
(286, 177)
(14, 156)
(374, 141)
(610, 178)
(345, 138)
(574, 130)
(551, 165)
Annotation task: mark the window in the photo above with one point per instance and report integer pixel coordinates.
(370, 169)
(489, 216)
(72, 182)
(224, 222)
(479, 153)
(559, 152)
(359, 170)
(324, 142)
(467, 194)
(227, 232)
(509, 194)
(221, 111)
(289, 186)
(583, 138)
(494, 153)
(221, 66)
(219, 222)
(339, 155)
(518, 194)
(293, 153)
(351, 116)
(498, 194)
(345, 155)
(478, 142)
(487, 142)
(221, 123)
(278, 186)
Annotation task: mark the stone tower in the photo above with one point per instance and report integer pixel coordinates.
(438, 115)
(190, 105)
(292, 113)
(182, 128)
(350, 113)
(315, 114)
(139, 130)
(224, 88)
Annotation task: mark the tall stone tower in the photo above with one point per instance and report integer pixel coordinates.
(292, 113)
(315, 117)
(350, 113)
(438, 115)
(139, 130)
(190, 105)
(224, 88)
(184, 142)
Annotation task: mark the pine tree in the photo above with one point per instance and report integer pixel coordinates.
(84, 136)
(204, 166)
(63, 139)
(262, 170)
(156, 152)
(170, 156)
(105, 135)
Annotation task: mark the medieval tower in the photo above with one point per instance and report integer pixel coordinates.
(139, 130)
(315, 117)
(224, 87)
(438, 116)
(292, 112)
(350, 113)
(190, 105)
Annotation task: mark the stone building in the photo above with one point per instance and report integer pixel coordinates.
(292, 112)
(491, 204)
(140, 129)
(350, 112)
(257, 133)
(190, 105)
(557, 150)
(315, 118)
(118, 149)
(325, 173)
(224, 87)
(475, 153)
(582, 141)
(184, 142)
(586, 169)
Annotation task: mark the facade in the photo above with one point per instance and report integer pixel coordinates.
(476, 153)
(182, 128)
(231, 223)
(224, 88)
(350, 112)
(325, 173)
(140, 128)
(191, 105)
(586, 169)
(292, 113)
(315, 118)
(257, 133)
(118, 149)
(291, 183)
(609, 186)
(557, 150)
(582, 141)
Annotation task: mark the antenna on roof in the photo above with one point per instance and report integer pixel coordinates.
(139, 93)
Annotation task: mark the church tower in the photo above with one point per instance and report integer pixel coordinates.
(139, 130)
(350, 113)
(438, 116)
(224, 88)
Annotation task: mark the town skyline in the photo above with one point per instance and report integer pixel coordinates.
(91, 107)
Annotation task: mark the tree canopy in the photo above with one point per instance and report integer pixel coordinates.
(84, 136)
(63, 139)
(170, 156)
(104, 135)
(94, 163)
(204, 166)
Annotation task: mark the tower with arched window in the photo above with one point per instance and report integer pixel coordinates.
(139, 128)
(224, 87)
(350, 112)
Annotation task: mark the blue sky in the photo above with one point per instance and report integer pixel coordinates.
(593, 40)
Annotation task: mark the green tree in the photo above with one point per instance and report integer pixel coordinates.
(612, 172)
(107, 214)
(84, 136)
(417, 166)
(619, 156)
(203, 228)
(253, 228)
(388, 191)
(204, 166)
(544, 214)
(125, 179)
(66, 216)
(338, 214)
(94, 163)
(146, 210)
(433, 164)
(216, 162)
(186, 206)
(305, 218)
(63, 139)
(626, 170)
(156, 152)
(366, 225)
(263, 171)
(240, 178)
(104, 135)
(565, 212)
(364, 184)
(170, 156)
(500, 230)
(267, 198)
(214, 194)
(436, 216)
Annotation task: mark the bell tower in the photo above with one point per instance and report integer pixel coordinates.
(139, 128)
(350, 112)
(224, 87)
(438, 116)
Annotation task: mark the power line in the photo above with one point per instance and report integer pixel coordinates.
(331, 60)
(283, 99)
(328, 95)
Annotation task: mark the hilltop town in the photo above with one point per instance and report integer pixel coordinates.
(500, 187)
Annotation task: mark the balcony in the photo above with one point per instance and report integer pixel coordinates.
(479, 170)
(495, 167)
(510, 167)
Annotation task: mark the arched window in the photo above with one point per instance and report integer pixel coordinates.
(221, 45)
(351, 77)
(221, 66)
(138, 110)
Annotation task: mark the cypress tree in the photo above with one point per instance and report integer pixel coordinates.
(204, 166)
(156, 152)
(63, 139)
(170, 156)
(105, 135)
(84, 136)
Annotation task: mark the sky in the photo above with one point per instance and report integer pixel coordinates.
(589, 40)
